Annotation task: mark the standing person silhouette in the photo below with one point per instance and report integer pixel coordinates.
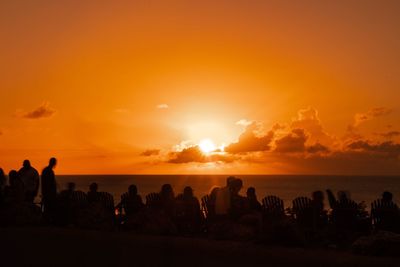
(2, 185)
(2, 180)
(30, 178)
(49, 188)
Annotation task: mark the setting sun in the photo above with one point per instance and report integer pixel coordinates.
(207, 146)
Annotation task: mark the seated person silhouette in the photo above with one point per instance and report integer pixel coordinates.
(388, 214)
(93, 195)
(67, 193)
(212, 200)
(223, 199)
(345, 212)
(239, 203)
(65, 205)
(319, 214)
(188, 212)
(167, 200)
(131, 202)
(253, 204)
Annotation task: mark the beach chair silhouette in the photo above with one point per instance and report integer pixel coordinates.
(303, 212)
(385, 215)
(273, 207)
(79, 203)
(344, 214)
(107, 201)
(153, 200)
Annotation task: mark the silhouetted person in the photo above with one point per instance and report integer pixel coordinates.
(188, 211)
(67, 193)
(223, 198)
(238, 203)
(14, 193)
(2, 185)
(343, 196)
(131, 202)
(254, 204)
(319, 215)
(211, 202)
(65, 205)
(345, 215)
(318, 200)
(49, 187)
(30, 177)
(387, 197)
(2, 179)
(93, 195)
(167, 200)
(388, 214)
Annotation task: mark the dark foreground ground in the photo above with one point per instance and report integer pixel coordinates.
(68, 247)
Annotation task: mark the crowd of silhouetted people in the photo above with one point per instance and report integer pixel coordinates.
(223, 214)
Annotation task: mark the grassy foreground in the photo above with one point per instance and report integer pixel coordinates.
(47, 246)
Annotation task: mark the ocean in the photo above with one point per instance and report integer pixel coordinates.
(287, 187)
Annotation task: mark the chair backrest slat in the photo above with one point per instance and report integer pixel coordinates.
(384, 211)
(108, 200)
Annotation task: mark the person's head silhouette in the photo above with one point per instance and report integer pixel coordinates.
(343, 196)
(93, 187)
(52, 162)
(26, 164)
(167, 191)
(236, 186)
(387, 196)
(251, 192)
(71, 186)
(187, 192)
(318, 196)
(13, 177)
(132, 189)
(230, 180)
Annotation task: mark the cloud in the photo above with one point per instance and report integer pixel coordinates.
(190, 154)
(1, 132)
(388, 148)
(243, 122)
(43, 111)
(162, 106)
(308, 119)
(300, 146)
(294, 142)
(360, 118)
(150, 152)
(390, 134)
(317, 148)
(250, 142)
(194, 154)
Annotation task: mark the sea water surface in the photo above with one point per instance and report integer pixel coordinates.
(287, 187)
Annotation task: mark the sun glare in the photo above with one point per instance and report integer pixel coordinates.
(207, 146)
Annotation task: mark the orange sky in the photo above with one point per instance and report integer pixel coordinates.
(135, 87)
